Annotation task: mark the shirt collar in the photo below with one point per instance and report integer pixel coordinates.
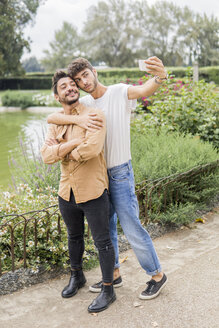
(77, 109)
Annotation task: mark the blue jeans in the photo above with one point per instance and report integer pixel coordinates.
(124, 204)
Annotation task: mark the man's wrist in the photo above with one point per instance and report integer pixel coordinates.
(75, 119)
(160, 80)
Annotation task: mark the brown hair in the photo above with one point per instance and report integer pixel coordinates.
(78, 65)
(56, 77)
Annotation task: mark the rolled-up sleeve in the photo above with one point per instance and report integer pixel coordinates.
(93, 143)
(50, 154)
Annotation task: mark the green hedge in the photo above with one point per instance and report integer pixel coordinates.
(25, 83)
(210, 73)
(40, 81)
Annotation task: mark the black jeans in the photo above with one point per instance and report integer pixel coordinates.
(97, 214)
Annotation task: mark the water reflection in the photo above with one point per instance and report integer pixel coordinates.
(16, 126)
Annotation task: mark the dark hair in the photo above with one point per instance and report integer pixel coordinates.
(78, 65)
(56, 77)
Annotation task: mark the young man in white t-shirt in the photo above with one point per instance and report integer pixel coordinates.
(117, 101)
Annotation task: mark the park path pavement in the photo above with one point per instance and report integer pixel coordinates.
(190, 258)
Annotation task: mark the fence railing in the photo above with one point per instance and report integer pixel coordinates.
(22, 222)
(167, 190)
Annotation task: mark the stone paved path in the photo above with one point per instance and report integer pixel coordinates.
(190, 257)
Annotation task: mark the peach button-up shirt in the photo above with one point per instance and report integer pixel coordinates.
(87, 174)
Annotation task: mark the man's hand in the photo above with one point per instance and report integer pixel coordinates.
(78, 141)
(51, 142)
(89, 121)
(155, 67)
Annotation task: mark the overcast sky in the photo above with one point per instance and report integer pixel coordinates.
(51, 15)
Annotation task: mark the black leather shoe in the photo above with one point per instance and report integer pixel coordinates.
(77, 280)
(103, 300)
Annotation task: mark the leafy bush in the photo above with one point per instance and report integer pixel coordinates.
(51, 248)
(24, 99)
(160, 155)
(155, 156)
(184, 106)
(177, 214)
(209, 74)
(17, 100)
(48, 100)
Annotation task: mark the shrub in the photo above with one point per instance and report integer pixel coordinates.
(184, 106)
(51, 248)
(17, 100)
(48, 100)
(160, 155)
(24, 99)
(156, 156)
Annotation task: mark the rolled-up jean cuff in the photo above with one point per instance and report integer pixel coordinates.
(154, 272)
(108, 281)
(117, 266)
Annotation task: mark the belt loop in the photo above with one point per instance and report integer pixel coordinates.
(129, 164)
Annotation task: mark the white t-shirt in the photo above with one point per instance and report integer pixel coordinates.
(117, 108)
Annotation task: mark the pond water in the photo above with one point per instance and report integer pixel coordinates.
(17, 127)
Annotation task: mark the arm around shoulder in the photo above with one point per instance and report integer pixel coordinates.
(93, 143)
(60, 119)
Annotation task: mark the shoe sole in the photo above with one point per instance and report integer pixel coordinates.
(98, 290)
(146, 297)
(70, 295)
(104, 308)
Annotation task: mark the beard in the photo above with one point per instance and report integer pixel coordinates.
(70, 101)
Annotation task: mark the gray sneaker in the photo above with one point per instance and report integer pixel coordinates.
(153, 289)
(96, 288)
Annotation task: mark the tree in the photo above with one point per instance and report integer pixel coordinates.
(160, 25)
(110, 34)
(32, 65)
(118, 32)
(208, 41)
(199, 39)
(14, 16)
(65, 46)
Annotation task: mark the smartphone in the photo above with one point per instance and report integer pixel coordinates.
(142, 65)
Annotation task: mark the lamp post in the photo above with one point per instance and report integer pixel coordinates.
(195, 71)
